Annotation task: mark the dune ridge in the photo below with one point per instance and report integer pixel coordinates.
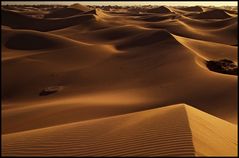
(112, 135)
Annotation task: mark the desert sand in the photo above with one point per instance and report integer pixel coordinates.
(119, 81)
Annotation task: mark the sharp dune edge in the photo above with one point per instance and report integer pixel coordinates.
(84, 81)
(172, 130)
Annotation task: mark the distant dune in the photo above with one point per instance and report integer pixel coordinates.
(213, 14)
(69, 11)
(162, 10)
(193, 9)
(62, 13)
(79, 7)
(25, 22)
(119, 81)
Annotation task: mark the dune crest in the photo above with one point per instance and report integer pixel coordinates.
(133, 137)
(79, 7)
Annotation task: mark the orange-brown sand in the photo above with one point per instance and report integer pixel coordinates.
(84, 81)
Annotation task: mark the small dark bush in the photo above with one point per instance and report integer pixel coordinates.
(224, 66)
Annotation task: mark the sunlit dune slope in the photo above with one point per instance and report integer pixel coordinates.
(175, 130)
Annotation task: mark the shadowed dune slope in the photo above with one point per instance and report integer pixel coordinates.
(30, 40)
(18, 21)
(167, 131)
(192, 9)
(146, 38)
(72, 10)
(160, 10)
(213, 14)
(14, 19)
(157, 18)
(80, 7)
(205, 24)
(62, 13)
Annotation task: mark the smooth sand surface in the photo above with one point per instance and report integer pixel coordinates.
(79, 81)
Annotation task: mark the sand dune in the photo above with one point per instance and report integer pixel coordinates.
(161, 10)
(193, 9)
(145, 39)
(79, 81)
(29, 40)
(196, 23)
(62, 13)
(157, 18)
(219, 129)
(148, 133)
(69, 11)
(186, 28)
(25, 22)
(213, 14)
(80, 7)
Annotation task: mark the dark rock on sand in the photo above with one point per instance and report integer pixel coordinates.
(224, 66)
(49, 90)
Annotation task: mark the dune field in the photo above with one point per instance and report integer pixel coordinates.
(119, 81)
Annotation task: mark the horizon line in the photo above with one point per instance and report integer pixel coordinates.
(125, 3)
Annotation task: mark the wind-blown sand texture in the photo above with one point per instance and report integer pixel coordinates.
(84, 81)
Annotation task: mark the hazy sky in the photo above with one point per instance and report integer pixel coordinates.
(169, 3)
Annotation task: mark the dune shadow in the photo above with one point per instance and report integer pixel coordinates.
(27, 41)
